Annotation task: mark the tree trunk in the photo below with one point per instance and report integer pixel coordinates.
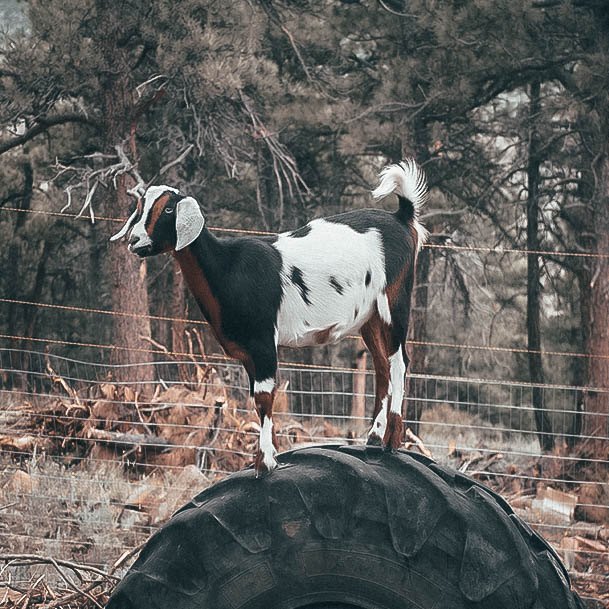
(178, 328)
(595, 441)
(14, 270)
(15, 274)
(126, 272)
(542, 420)
(128, 294)
(581, 371)
(30, 315)
(178, 310)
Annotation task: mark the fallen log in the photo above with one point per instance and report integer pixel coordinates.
(118, 439)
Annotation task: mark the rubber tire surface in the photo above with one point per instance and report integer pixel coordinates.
(347, 526)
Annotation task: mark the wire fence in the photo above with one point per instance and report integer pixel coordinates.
(90, 467)
(489, 249)
(198, 322)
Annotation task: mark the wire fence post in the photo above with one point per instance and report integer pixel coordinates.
(358, 400)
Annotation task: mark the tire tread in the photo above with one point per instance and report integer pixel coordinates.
(444, 525)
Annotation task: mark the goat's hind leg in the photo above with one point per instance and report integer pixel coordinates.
(375, 339)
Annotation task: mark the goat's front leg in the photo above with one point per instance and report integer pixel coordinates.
(263, 390)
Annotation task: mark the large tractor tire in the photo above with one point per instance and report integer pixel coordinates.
(345, 527)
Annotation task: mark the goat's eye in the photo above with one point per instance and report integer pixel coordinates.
(169, 210)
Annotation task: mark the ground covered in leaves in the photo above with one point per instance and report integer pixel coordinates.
(84, 481)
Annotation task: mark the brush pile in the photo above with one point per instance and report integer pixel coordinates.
(88, 473)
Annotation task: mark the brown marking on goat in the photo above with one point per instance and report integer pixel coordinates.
(259, 466)
(155, 213)
(394, 434)
(376, 335)
(209, 305)
(323, 336)
(264, 403)
(394, 289)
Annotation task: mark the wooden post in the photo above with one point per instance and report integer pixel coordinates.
(358, 403)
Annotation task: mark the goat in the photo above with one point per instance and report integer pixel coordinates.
(334, 276)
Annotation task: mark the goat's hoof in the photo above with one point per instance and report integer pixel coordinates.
(374, 440)
(394, 434)
(264, 464)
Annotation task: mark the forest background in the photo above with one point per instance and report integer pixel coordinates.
(271, 113)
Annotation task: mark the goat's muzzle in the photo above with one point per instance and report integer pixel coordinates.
(140, 250)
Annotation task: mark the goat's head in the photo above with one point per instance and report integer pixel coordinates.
(162, 220)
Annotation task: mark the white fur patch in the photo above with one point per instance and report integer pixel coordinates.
(330, 255)
(382, 304)
(397, 372)
(265, 386)
(379, 425)
(143, 238)
(266, 444)
(422, 234)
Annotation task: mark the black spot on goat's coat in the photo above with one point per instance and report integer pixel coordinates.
(303, 231)
(336, 285)
(298, 280)
(368, 278)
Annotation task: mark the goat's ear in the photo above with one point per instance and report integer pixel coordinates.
(189, 222)
(123, 231)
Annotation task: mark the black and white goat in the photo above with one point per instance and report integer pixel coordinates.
(348, 273)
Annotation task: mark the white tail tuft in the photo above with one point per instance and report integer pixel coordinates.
(407, 180)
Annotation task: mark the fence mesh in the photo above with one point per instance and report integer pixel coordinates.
(90, 467)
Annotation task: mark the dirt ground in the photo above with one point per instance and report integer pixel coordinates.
(84, 482)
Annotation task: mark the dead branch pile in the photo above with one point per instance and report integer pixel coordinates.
(81, 587)
(187, 424)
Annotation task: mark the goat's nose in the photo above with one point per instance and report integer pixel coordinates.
(133, 239)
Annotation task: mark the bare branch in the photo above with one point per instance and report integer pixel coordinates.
(177, 160)
(88, 179)
(280, 154)
(393, 12)
(42, 125)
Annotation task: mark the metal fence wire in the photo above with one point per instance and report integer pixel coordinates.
(90, 467)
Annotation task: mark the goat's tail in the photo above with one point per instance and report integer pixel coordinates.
(408, 181)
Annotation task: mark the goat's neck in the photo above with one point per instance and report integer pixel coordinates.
(202, 264)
